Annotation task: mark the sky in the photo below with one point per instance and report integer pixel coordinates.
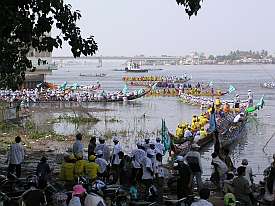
(158, 27)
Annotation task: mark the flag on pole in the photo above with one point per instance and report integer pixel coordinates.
(75, 86)
(261, 103)
(231, 89)
(212, 122)
(63, 86)
(154, 87)
(165, 136)
(125, 89)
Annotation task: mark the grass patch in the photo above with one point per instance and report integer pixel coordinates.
(6, 127)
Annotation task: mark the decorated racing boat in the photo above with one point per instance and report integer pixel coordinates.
(230, 127)
(102, 96)
(166, 92)
(154, 79)
(95, 75)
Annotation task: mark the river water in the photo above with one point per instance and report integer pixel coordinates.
(131, 114)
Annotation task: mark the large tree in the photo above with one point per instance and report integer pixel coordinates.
(24, 24)
(191, 6)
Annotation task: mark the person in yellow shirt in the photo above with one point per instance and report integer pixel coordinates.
(79, 166)
(218, 104)
(92, 169)
(67, 169)
(179, 132)
(203, 133)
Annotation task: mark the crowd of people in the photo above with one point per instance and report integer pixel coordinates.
(141, 168)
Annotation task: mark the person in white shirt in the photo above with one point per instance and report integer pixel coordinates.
(203, 201)
(104, 148)
(188, 134)
(80, 195)
(250, 98)
(248, 171)
(197, 137)
(103, 164)
(15, 158)
(148, 171)
(159, 173)
(220, 168)
(115, 161)
(137, 156)
(159, 146)
(237, 101)
(146, 144)
(78, 147)
(193, 159)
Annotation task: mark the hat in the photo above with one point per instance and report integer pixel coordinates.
(244, 162)
(92, 157)
(237, 95)
(195, 146)
(78, 190)
(115, 139)
(101, 138)
(179, 158)
(99, 152)
(158, 139)
(249, 90)
(151, 152)
(139, 143)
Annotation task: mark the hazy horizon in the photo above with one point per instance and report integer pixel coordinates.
(159, 27)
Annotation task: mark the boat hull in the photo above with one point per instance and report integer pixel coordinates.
(183, 148)
(137, 71)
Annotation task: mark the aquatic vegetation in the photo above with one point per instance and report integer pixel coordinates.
(113, 120)
(38, 135)
(78, 119)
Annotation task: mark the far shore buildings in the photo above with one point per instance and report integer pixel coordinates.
(41, 65)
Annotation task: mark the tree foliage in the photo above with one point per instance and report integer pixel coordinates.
(24, 24)
(191, 6)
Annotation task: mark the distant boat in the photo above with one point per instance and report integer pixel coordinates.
(133, 67)
(96, 75)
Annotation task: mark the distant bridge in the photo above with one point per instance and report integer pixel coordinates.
(151, 60)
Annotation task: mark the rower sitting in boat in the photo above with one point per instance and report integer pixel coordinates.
(197, 137)
(179, 131)
(188, 134)
(203, 133)
(226, 107)
(250, 98)
(218, 103)
(237, 102)
(239, 118)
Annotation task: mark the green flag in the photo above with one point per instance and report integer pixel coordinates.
(165, 137)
